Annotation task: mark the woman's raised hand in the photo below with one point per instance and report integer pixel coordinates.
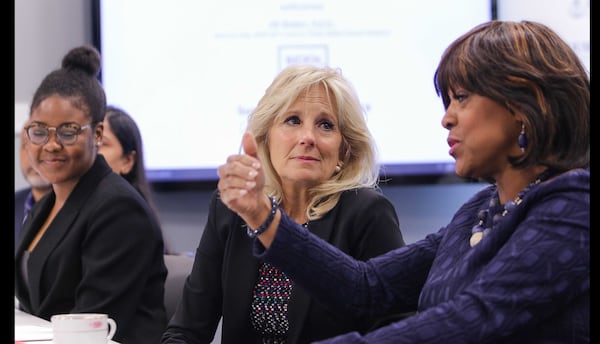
(241, 182)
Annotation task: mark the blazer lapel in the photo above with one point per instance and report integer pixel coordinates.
(34, 220)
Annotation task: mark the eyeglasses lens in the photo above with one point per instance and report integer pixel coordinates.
(66, 133)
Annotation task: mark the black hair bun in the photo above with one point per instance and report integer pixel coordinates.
(86, 58)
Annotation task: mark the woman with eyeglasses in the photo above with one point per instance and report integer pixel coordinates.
(92, 245)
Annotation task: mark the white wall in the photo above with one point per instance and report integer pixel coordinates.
(44, 31)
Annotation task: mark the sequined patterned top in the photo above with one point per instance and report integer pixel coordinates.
(270, 299)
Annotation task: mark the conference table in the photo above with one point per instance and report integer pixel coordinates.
(30, 329)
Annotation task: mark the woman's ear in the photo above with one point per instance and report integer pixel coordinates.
(99, 134)
(128, 163)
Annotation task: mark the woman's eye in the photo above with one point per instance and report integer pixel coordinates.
(326, 125)
(292, 120)
(38, 133)
(67, 134)
(460, 96)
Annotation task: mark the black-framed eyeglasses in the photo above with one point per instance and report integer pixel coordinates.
(66, 133)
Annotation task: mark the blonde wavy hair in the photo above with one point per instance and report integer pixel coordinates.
(358, 151)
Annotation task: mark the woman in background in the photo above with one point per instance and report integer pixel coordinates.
(513, 263)
(123, 149)
(320, 164)
(92, 245)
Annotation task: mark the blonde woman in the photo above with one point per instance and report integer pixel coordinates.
(320, 166)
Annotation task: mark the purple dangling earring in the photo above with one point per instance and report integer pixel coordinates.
(523, 138)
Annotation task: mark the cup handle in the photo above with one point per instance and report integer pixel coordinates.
(112, 328)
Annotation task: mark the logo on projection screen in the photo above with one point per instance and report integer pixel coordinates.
(317, 55)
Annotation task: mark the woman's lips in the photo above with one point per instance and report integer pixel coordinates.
(453, 144)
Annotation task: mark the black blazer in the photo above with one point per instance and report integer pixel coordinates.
(364, 224)
(102, 253)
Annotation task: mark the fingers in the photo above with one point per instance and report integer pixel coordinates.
(239, 172)
(237, 185)
(237, 176)
(241, 179)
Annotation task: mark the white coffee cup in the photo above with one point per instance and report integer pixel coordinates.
(82, 328)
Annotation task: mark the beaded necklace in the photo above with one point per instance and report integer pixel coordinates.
(478, 231)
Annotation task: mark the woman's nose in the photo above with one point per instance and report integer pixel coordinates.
(448, 120)
(307, 135)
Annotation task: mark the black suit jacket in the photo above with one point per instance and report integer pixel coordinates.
(363, 223)
(20, 198)
(102, 253)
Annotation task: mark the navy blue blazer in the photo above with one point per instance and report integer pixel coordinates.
(20, 198)
(364, 224)
(526, 282)
(103, 252)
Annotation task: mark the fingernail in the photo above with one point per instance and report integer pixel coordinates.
(250, 184)
(252, 173)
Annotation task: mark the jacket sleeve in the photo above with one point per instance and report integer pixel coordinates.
(197, 317)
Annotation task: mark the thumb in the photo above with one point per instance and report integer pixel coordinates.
(249, 145)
